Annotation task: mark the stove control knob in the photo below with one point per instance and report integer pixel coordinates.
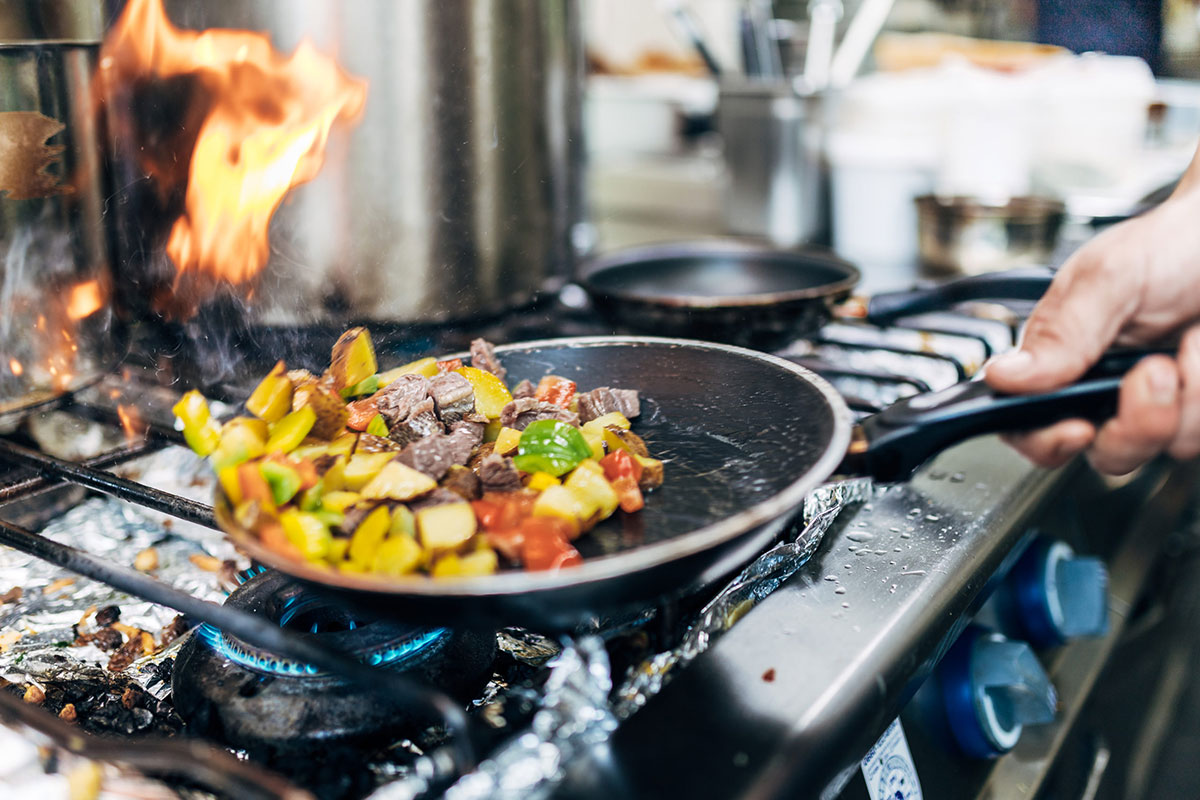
(991, 688)
(1053, 595)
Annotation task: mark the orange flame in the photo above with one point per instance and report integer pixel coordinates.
(16, 367)
(131, 422)
(84, 299)
(265, 132)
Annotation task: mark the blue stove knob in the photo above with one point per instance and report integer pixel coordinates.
(991, 687)
(1052, 595)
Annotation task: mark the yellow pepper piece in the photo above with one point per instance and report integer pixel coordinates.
(272, 398)
(403, 522)
(596, 442)
(398, 555)
(337, 551)
(339, 500)
(452, 565)
(353, 358)
(491, 395)
(230, 483)
(614, 418)
(307, 533)
(238, 443)
(559, 501)
(289, 432)
(343, 445)
(334, 479)
(507, 440)
(422, 366)
(491, 430)
(200, 430)
(369, 534)
(540, 481)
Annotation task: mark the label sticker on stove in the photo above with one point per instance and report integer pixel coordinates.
(888, 768)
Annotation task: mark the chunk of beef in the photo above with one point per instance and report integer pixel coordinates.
(463, 482)
(498, 474)
(421, 423)
(483, 356)
(604, 400)
(524, 389)
(438, 497)
(453, 397)
(435, 454)
(396, 401)
(522, 411)
(370, 443)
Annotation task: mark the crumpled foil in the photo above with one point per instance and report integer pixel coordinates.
(745, 591)
(36, 636)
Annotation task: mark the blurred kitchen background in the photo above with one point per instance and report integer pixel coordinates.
(917, 138)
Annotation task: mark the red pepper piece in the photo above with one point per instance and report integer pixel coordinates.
(555, 389)
(508, 542)
(546, 546)
(449, 365)
(629, 496)
(620, 464)
(502, 510)
(361, 413)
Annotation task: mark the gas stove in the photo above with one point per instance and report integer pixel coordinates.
(774, 685)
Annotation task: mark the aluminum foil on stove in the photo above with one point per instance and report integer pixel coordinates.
(46, 602)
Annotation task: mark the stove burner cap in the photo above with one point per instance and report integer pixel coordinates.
(273, 705)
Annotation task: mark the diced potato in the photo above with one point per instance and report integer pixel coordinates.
(561, 502)
(343, 445)
(311, 450)
(353, 358)
(362, 467)
(540, 481)
(614, 418)
(619, 439)
(452, 565)
(652, 472)
(339, 500)
(289, 432)
(331, 413)
(369, 534)
(398, 481)
(447, 526)
(507, 440)
(272, 398)
(596, 442)
(334, 477)
(398, 555)
(422, 366)
(588, 480)
(307, 533)
(491, 395)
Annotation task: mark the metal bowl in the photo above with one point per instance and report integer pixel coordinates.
(966, 235)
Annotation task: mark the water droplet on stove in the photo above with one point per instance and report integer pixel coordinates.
(906, 535)
(847, 566)
(860, 536)
(932, 517)
(957, 477)
(893, 563)
(894, 529)
(866, 551)
(831, 577)
(852, 548)
(840, 590)
(862, 523)
(914, 572)
(845, 605)
(892, 589)
(895, 549)
(914, 512)
(937, 475)
(981, 486)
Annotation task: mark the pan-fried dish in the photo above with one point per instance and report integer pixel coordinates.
(435, 466)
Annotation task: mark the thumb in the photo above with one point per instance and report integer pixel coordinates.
(1071, 327)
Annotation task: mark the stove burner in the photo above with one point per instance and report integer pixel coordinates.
(271, 705)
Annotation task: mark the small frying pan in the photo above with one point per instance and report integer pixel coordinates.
(745, 437)
(761, 297)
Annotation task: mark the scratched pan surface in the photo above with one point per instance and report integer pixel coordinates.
(744, 436)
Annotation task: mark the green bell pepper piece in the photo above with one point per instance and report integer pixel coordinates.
(552, 446)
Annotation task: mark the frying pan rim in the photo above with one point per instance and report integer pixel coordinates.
(600, 568)
(690, 249)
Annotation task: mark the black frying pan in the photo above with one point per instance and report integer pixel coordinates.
(761, 297)
(745, 437)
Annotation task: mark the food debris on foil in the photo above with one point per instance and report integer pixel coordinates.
(58, 626)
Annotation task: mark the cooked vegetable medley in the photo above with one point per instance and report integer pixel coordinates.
(431, 467)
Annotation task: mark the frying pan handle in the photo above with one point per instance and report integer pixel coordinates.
(898, 440)
(1017, 284)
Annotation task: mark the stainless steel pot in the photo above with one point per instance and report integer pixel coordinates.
(456, 193)
(57, 330)
(966, 235)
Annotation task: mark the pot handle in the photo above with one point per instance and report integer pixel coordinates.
(892, 444)
(1017, 284)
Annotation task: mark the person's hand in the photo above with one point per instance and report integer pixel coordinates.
(1133, 284)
